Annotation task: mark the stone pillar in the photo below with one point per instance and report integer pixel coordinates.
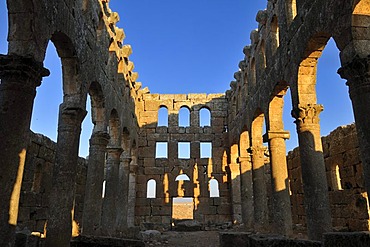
(357, 74)
(282, 214)
(236, 193)
(59, 224)
(246, 184)
(259, 188)
(19, 78)
(132, 194)
(122, 196)
(111, 188)
(315, 186)
(91, 221)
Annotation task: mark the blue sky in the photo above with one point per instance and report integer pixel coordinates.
(191, 46)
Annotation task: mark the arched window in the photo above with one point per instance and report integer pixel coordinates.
(151, 189)
(162, 116)
(184, 117)
(213, 188)
(204, 117)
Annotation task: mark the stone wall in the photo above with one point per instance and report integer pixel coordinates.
(37, 183)
(345, 181)
(156, 212)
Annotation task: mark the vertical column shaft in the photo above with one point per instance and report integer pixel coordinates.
(357, 74)
(122, 196)
(280, 189)
(111, 188)
(94, 184)
(59, 225)
(315, 186)
(236, 192)
(259, 188)
(19, 78)
(132, 193)
(246, 181)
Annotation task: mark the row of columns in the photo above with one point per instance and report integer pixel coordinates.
(317, 205)
(19, 78)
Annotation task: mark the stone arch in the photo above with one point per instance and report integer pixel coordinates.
(114, 128)
(97, 106)
(126, 142)
(274, 39)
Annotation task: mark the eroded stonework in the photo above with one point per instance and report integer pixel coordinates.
(259, 190)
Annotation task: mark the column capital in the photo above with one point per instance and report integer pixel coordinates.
(307, 114)
(284, 134)
(70, 117)
(99, 138)
(257, 150)
(357, 74)
(244, 159)
(21, 70)
(114, 149)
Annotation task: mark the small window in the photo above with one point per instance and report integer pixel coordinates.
(103, 190)
(183, 150)
(182, 177)
(162, 116)
(336, 180)
(204, 117)
(161, 150)
(37, 177)
(213, 188)
(184, 117)
(206, 150)
(151, 189)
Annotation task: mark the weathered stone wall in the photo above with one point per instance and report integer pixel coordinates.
(344, 173)
(37, 184)
(207, 210)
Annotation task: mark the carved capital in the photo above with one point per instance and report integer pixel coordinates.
(71, 117)
(100, 139)
(357, 74)
(21, 72)
(307, 114)
(257, 150)
(276, 134)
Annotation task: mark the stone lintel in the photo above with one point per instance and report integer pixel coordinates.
(99, 138)
(243, 159)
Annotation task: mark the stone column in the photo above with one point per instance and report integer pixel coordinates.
(315, 186)
(246, 181)
(122, 196)
(282, 214)
(236, 193)
(59, 224)
(91, 221)
(259, 188)
(111, 188)
(357, 74)
(132, 194)
(19, 78)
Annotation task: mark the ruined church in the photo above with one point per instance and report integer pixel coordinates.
(236, 177)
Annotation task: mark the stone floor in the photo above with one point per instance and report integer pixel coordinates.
(187, 239)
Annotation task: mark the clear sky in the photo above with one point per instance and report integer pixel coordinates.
(191, 46)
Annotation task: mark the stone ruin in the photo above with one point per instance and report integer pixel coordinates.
(48, 194)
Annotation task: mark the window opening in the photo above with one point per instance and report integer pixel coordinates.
(162, 116)
(151, 189)
(213, 188)
(205, 117)
(161, 150)
(183, 149)
(184, 117)
(182, 208)
(206, 150)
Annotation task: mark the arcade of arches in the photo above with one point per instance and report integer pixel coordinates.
(235, 172)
